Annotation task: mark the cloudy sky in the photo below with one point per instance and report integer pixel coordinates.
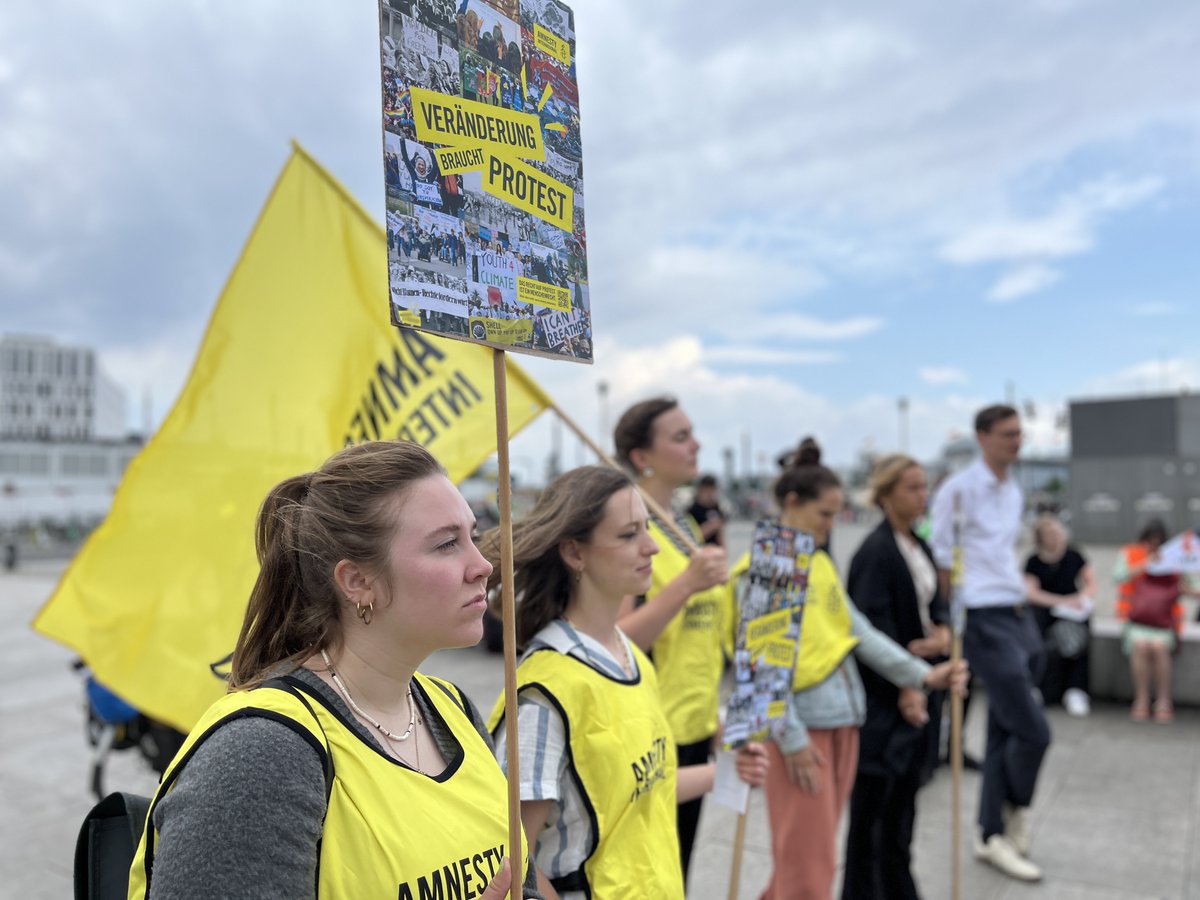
(797, 213)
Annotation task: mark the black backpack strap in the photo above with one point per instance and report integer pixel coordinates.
(106, 844)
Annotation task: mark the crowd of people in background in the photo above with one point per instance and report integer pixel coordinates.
(406, 237)
(625, 615)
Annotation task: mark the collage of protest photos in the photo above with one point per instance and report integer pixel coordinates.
(770, 607)
(483, 168)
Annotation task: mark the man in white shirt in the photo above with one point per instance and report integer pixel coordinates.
(980, 509)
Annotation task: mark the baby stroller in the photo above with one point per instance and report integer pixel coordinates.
(112, 724)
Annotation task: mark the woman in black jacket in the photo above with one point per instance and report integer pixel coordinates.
(894, 582)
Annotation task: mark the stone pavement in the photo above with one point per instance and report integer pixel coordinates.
(1117, 815)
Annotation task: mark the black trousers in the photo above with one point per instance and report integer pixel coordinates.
(688, 816)
(1062, 674)
(1004, 648)
(883, 809)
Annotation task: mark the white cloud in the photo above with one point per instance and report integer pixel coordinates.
(939, 375)
(1153, 309)
(750, 355)
(1067, 230)
(1152, 376)
(799, 327)
(766, 409)
(1022, 281)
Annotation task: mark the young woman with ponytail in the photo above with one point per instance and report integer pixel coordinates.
(599, 775)
(332, 768)
(814, 760)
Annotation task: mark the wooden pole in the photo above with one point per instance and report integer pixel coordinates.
(739, 843)
(956, 767)
(663, 516)
(958, 623)
(509, 625)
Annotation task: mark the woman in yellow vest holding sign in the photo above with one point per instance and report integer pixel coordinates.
(814, 760)
(679, 620)
(333, 768)
(599, 779)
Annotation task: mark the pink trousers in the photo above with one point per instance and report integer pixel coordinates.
(804, 827)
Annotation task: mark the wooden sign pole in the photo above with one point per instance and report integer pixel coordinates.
(958, 615)
(509, 625)
(956, 768)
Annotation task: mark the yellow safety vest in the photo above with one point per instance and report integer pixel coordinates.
(389, 831)
(825, 637)
(622, 758)
(688, 653)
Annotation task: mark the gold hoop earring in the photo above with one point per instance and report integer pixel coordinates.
(365, 612)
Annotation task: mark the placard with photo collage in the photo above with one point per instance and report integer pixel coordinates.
(770, 608)
(483, 173)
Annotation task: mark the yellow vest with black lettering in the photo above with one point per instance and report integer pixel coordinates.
(389, 831)
(825, 635)
(688, 654)
(622, 758)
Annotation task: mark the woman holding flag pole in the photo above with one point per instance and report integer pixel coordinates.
(599, 777)
(814, 761)
(680, 619)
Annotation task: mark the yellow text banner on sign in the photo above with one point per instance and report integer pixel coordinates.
(762, 629)
(529, 189)
(456, 160)
(776, 652)
(541, 294)
(502, 331)
(299, 359)
(551, 44)
(442, 119)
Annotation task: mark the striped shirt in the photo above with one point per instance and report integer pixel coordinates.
(542, 737)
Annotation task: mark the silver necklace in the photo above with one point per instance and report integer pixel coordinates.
(412, 709)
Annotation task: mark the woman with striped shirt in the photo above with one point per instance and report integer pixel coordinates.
(599, 782)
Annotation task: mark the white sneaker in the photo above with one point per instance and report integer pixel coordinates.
(1076, 703)
(1016, 828)
(999, 852)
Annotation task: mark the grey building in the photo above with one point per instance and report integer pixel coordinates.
(1133, 460)
(52, 392)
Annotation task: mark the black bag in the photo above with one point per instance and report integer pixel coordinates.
(106, 844)
(1070, 638)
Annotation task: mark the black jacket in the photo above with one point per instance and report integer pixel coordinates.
(880, 585)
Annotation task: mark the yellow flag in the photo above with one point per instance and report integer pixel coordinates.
(299, 360)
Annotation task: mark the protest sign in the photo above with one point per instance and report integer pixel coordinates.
(481, 126)
(1178, 555)
(770, 596)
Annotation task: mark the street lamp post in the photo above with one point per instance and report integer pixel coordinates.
(902, 407)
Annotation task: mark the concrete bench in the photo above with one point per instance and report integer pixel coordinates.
(1109, 667)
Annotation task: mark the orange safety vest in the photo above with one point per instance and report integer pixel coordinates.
(1135, 555)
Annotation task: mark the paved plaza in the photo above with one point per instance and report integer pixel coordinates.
(1117, 815)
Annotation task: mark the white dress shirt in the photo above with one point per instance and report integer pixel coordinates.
(991, 524)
